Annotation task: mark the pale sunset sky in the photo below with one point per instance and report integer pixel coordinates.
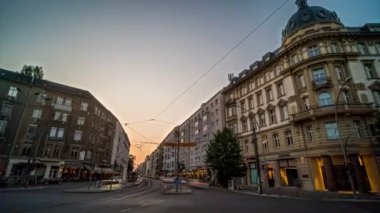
(136, 56)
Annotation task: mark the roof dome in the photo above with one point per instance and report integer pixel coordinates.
(307, 15)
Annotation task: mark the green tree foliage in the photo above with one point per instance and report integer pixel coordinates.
(224, 155)
(131, 162)
(33, 71)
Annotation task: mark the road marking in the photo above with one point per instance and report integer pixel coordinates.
(143, 197)
(125, 210)
(132, 195)
(152, 203)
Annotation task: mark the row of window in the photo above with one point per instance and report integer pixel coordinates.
(51, 151)
(332, 133)
(58, 116)
(314, 50)
(262, 121)
(13, 92)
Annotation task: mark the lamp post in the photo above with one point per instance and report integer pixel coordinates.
(33, 157)
(341, 143)
(18, 127)
(255, 144)
(176, 160)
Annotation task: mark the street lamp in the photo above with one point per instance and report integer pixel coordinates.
(254, 142)
(33, 157)
(342, 146)
(18, 128)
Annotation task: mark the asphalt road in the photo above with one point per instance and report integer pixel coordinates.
(148, 198)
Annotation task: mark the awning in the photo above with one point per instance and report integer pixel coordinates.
(73, 163)
(103, 170)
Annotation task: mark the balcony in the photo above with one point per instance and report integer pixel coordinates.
(314, 112)
(325, 83)
(231, 117)
(62, 107)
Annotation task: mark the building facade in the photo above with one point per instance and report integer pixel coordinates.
(52, 130)
(204, 123)
(120, 151)
(323, 72)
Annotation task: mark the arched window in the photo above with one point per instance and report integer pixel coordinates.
(325, 99)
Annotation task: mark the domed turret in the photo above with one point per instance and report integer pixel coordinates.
(308, 15)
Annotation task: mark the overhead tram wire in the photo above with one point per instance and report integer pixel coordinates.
(139, 133)
(150, 120)
(221, 59)
(137, 122)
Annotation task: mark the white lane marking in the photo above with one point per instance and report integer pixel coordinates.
(132, 195)
(152, 203)
(125, 210)
(143, 197)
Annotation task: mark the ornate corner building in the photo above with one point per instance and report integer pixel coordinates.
(313, 103)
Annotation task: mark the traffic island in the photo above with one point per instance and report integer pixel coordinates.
(171, 190)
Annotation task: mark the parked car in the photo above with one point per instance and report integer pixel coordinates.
(55, 180)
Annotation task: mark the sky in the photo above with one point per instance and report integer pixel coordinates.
(137, 56)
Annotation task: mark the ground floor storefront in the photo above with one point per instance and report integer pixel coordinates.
(27, 171)
(316, 173)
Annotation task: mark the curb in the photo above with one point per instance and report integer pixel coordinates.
(99, 190)
(307, 198)
(22, 189)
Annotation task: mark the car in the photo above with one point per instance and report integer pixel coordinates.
(52, 180)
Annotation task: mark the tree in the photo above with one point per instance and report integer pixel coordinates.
(131, 162)
(33, 71)
(224, 155)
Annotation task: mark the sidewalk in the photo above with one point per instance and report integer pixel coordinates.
(296, 193)
(12, 189)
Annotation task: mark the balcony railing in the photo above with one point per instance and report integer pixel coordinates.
(62, 107)
(316, 111)
(321, 83)
(231, 117)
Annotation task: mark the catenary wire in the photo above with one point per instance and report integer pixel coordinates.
(221, 59)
